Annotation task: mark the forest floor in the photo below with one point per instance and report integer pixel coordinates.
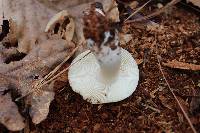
(152, 107)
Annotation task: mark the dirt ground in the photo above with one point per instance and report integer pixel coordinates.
(152, 108)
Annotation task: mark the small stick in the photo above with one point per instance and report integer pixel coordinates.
(152, 108)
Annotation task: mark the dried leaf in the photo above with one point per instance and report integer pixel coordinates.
(182, 65)
(195, 2)
(24, 75)
(40, 104)
(9, 115)
(110, 7)
(62, 24)
(31, 17)
(44, 51)
(6, 53)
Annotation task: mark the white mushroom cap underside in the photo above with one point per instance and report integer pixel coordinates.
(85, 74)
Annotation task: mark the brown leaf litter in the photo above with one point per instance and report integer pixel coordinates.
(23, 75)
(69, 113)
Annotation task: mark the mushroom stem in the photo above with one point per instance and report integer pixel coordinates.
(109, 63)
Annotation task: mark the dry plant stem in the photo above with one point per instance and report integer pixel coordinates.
(140, 8)
(171, 90)
(173, 2)
(64, 70)
(58, 67)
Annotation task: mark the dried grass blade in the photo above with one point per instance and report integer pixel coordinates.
(173, 2)
(140, 8)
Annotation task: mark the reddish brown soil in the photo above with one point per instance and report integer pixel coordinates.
(151, 108)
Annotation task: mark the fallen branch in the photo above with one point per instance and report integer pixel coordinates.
(182, 65)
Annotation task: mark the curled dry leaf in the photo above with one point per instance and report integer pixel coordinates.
(182, 65)
(30, 19)
(62, 24)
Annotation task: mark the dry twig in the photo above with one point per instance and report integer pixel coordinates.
(182, 65)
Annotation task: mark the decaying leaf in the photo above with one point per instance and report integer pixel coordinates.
(62, 24)
(23, 75)
(9, 114)
(182, 65)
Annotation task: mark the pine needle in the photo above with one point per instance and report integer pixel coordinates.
(173, 2)
(43, 81)
(140, 8)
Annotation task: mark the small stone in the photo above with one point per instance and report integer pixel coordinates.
(194, 61)
(133, 4)
(159, 5)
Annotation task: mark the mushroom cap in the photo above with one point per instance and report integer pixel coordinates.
(84, 78)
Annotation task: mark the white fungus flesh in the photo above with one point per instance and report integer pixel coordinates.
(85, 78)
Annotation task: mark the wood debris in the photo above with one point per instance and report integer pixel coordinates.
(181, 65)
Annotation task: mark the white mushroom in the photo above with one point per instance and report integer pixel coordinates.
(109, 73)
(85, 78)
